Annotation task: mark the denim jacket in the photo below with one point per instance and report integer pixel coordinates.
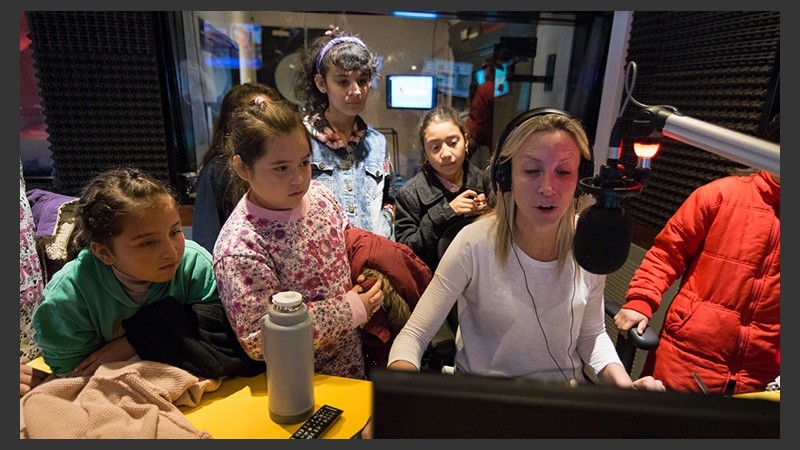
(357, 182)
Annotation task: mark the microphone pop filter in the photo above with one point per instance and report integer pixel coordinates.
(602, 239)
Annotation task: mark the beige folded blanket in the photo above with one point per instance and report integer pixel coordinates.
(136, 400)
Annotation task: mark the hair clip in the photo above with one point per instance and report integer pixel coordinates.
(332, 31)
(259, 100)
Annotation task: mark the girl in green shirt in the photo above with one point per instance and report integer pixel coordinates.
(133, 253)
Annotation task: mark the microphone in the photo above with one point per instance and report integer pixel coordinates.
(602, 239)
(603, 233)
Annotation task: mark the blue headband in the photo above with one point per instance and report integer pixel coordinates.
(336, 41)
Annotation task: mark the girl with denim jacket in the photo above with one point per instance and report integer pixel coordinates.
(347, 155)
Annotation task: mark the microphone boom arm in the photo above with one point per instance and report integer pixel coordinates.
(657, 121)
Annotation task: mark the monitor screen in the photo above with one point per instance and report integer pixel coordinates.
(410, 91)
(501, 86)
(432, 405)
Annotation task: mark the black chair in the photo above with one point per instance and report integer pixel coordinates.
(442, 348)
(627, 347)
(633, 349)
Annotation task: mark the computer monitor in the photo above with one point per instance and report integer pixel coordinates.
(410, 91)
(432, 405)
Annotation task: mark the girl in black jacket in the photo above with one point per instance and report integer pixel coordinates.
(446, 194)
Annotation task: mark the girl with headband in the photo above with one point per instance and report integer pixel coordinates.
(350, 157)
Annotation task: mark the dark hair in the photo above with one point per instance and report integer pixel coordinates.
(108, 198)
(250, 129)
(439, 114)
(346, 55)
(235, 98)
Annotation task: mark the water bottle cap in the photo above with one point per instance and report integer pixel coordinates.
(287, 299)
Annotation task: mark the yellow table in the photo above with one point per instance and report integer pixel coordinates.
(766, 395)
(239, 408)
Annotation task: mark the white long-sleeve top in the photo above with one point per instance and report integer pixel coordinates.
(499, 332)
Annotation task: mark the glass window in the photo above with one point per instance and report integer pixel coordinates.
(264, 46)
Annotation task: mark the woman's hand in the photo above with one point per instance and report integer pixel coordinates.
(402, 364)
(649, 383)
(615, 375)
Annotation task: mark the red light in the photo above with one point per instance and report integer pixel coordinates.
(644, 150)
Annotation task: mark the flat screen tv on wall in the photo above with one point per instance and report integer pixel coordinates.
(410, 91)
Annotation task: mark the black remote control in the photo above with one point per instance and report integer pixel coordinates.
(315, 425)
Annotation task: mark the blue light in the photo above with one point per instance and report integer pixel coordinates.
(415, 14)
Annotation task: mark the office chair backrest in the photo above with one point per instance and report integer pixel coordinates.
(633, 353)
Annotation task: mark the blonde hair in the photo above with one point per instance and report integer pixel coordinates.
(505, 208)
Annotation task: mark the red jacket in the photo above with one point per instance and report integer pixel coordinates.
(409, 276)
(724, 323)
(480, 121)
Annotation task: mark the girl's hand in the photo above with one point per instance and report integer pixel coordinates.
(29, 378)
(117, 350)
(469, 203)
(370, 293)
(627, 319)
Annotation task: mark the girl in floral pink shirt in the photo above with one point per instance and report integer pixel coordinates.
(287, 233)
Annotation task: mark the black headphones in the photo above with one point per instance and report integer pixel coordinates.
(501, 173)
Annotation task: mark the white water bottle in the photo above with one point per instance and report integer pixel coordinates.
(287, 342)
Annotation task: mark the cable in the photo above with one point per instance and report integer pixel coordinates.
(630, 82)
(573, 381)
